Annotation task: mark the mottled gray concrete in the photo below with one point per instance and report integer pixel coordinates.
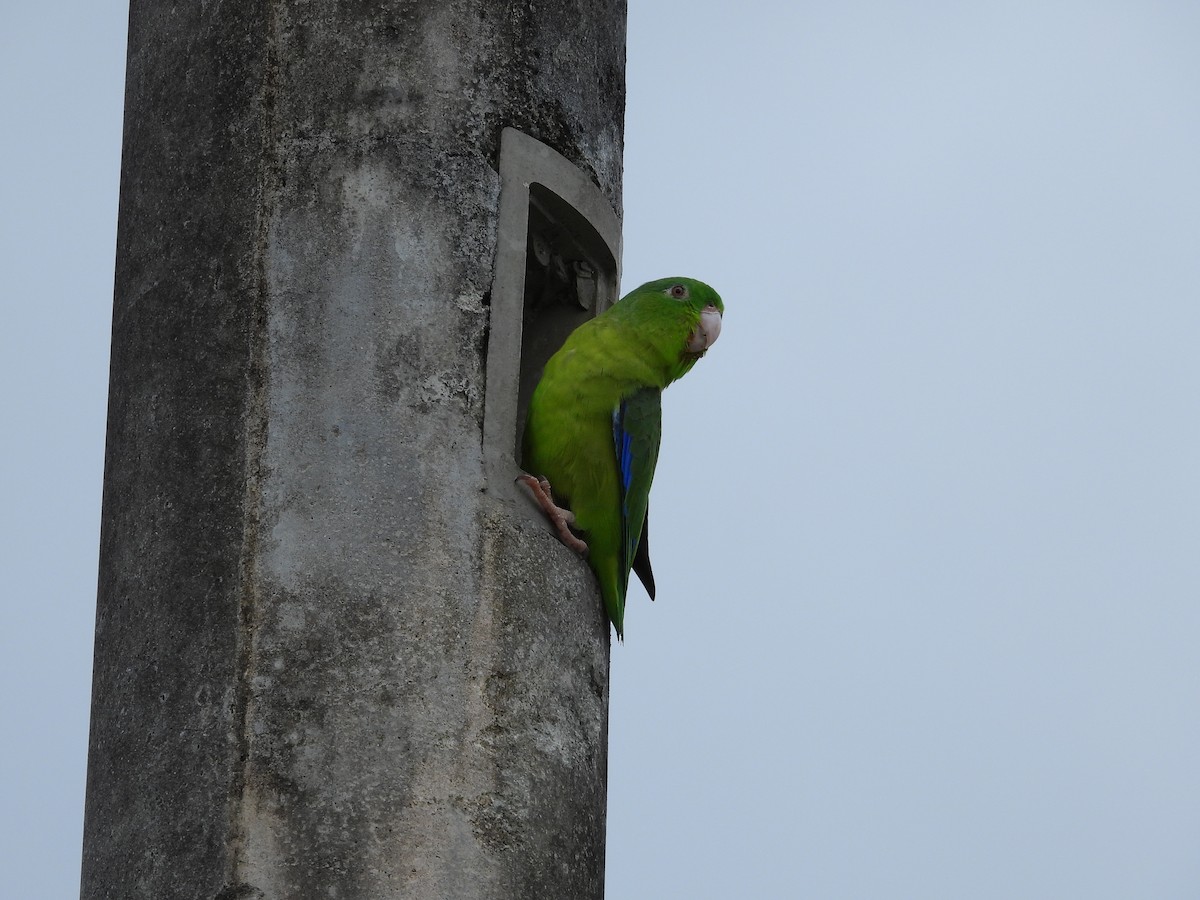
(328, 661)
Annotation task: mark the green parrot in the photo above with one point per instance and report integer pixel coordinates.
(595, 420)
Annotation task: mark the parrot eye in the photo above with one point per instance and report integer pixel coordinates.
(679, 292)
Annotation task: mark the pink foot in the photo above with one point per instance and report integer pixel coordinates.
(562, 519)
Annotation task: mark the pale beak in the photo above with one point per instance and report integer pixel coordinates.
(706, 332)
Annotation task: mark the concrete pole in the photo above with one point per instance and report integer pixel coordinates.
(334, 658)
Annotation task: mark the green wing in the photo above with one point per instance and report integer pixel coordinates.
(637, 430)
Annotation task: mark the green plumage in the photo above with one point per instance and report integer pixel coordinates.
(594, 419)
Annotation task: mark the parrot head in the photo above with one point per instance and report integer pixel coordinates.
(695, 305)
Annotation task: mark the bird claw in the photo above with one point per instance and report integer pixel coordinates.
(560, 518)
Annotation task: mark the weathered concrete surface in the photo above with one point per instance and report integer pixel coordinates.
(328, 663)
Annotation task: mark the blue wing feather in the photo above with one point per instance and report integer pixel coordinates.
(636, 429)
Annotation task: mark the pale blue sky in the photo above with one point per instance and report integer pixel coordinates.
(927, 518)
